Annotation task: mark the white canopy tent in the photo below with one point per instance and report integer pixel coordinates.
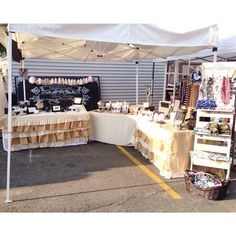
(106, 42)
(226, 51)
(100, 42)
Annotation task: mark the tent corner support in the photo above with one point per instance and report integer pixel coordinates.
(9, 59)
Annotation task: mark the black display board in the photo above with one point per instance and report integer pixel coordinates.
(56, 93)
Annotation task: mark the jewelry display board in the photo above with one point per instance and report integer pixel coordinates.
(57, 90)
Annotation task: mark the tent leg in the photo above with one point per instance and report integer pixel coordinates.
(30, 156)
(189, 68)
(214, 55)
(24, 90)
(175, 79)
(137, 82)
(152, 84)
(165, 81)
(9, 59)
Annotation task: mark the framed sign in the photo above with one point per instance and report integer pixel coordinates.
(56, 108)
(31, 110)
(77, 100)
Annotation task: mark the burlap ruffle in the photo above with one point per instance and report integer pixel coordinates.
(51, 138)
(171, 156)
(59, 126)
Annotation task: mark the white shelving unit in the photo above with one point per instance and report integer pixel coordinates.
(210, 143)
(234, 144)
(171, 80)
(174, 72)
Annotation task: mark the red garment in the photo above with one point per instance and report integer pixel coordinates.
(225, 90)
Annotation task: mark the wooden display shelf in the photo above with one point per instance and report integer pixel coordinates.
(213, 135)
(220, 143)
(211, 163)
(218, 111)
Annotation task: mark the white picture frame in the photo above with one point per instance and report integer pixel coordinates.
(31, 110)
(77, 100)
(56, 108)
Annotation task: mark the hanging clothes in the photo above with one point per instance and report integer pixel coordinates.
(210, 88)
(186, 95)
(202, 90)
(207, 89)
(196, 77)
(193, 95)
(184, 91)
(225, 90)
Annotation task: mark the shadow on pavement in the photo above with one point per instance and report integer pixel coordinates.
(84, 192)
(54, 165)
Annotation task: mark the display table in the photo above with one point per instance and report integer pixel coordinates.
(112, 128)
(47, 130)
(167, 148)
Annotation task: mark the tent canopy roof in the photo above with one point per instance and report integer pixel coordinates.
(105, 42)
(226, 51)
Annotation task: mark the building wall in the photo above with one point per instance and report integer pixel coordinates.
(117, 80)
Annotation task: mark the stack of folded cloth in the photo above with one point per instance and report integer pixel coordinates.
(206, 104)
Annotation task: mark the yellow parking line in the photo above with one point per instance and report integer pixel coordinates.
(162, 184)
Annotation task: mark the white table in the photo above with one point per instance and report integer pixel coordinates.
(47, 130)
(112, 128)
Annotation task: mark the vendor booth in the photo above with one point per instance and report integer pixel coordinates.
(115, 42)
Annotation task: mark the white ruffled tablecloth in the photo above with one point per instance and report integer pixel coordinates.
(47, 130)
(166, 147)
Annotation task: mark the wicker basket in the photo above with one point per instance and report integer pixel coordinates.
(213, 193)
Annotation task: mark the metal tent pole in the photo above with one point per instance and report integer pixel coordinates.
(137, 65)
(165, 81)
(24, 90)
(214, 55)
(152, 84)
(9, 60)
(189, 67)
(175, 78)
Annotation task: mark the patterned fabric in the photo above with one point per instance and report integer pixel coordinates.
(193, 95)
(206, 104)
(209, 155)
(187, 95)
(217, 89)
(184, 91)
(199, 130)
(207, 89)
(210, 88)
(225, 90)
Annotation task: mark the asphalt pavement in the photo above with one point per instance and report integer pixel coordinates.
(96, 177)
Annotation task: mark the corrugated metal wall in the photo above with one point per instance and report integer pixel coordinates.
(117, 80)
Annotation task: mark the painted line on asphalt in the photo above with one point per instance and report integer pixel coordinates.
(162, 184)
